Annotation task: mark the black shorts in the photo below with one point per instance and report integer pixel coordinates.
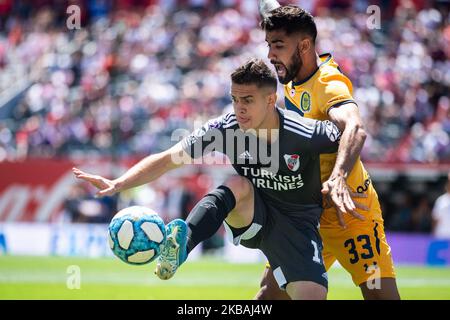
(291, 244)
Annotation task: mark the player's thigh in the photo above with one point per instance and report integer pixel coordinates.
(328, 257)
(362, 249)
(293, 248)
(269, 289)
(306, 290)
(242, 214)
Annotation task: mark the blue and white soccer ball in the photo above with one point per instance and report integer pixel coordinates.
(136, 235)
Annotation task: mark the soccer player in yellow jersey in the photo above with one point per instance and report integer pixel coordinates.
(316, 88)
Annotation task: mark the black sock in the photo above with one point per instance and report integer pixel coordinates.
(208, 215)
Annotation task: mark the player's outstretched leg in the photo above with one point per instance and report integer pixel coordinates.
(232, 201)
(174, 252)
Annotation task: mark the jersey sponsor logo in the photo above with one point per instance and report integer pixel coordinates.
(332, 131)
(292, 161)
(264, 179)
(362, 189)
(305, 102)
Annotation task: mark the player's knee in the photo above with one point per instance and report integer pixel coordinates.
(372, 294)
(386, 290)
(240, 187)
(268, 292)
(263, 293)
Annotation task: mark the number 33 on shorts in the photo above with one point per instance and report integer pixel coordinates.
(362, 250)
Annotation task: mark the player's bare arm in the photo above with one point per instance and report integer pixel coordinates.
(348, 120)
(145, 171)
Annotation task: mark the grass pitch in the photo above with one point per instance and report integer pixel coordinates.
(109, 278)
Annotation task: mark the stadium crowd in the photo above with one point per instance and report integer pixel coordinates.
(137, 70)
(128, 78)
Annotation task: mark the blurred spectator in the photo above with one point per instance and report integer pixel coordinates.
(421, 220)
(441, 214)
(400, 220)
(72, 202)
(180, 201)
(81, 207)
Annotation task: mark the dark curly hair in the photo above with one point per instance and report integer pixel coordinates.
(291, 19)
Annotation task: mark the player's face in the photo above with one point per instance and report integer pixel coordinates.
(251, 105)
(284, 55)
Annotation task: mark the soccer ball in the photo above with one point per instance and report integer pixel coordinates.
(136, 235)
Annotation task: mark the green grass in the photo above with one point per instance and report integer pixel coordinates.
(46, 278)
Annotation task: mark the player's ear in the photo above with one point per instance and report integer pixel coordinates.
(304, 46)
(271, 99)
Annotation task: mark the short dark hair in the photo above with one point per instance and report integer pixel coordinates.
(255, 71)
(291, 19)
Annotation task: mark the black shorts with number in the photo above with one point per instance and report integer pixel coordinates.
(291, 244)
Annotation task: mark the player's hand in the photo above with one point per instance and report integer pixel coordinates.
(335, 189)
(106, 187)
